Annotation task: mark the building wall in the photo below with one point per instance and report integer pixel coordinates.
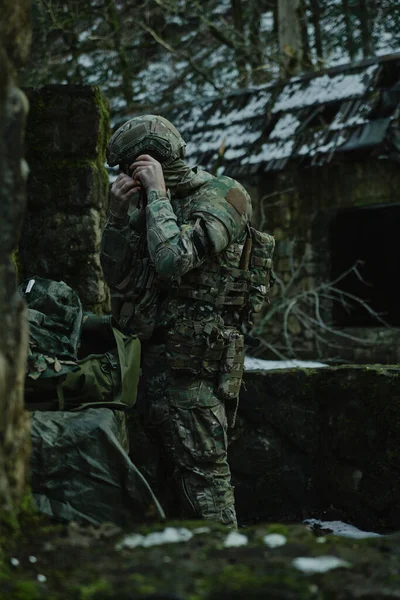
(298, 206)
(67, 132)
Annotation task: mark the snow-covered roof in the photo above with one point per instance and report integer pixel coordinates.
(308, 118)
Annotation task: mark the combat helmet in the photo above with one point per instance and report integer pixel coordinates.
(146, 134)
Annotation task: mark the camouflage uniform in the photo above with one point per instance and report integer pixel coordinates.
(176, 279)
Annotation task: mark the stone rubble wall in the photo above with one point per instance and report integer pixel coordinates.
(67, 133)
(319, 442)
(309, 443)
(297, 206)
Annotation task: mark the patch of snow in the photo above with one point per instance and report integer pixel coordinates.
(85, 35)
(318, 564)
(234, 136)
(170, 535)
(14, 562)
(271, 152)
(342, 529)
(232, 153)
(258, 364)
(222, 7)
(175, 20)
(352, 122)
(311, 147)
(86, 60)
(285, 127)
(202, 144)
(41, 578)
(328, 147)
(256, 106)
(239, 135)
(131, 541)
(267, 21)
(32, 559)
(235, 539)
(274, 540)
(201, 530)
(324, 88)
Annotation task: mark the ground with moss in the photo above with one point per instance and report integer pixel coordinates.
(320, 442)
(85, 563)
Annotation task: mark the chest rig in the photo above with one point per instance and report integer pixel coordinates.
(223, 291)
(234, 282)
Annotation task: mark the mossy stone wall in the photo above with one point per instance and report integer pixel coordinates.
(319, 442)
(67, 133)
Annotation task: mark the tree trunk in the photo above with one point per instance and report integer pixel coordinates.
(115, 27)
(291, 36)
(14, 422)
(238, 21)
(351, 48)
(365, 27)
(316, 21)
(256, 46)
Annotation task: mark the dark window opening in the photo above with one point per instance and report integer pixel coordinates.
(318, 117)
(370, 235)
(389, 74)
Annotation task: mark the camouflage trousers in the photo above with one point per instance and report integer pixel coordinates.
(188, 423)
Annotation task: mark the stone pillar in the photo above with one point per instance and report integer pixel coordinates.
(15, 32)
(67, 133)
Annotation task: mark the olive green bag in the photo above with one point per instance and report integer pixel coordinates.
(75, 359)
(108, 380)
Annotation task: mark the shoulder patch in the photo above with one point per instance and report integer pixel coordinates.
(237, 199)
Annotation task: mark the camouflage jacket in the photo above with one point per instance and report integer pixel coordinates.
(178, 259)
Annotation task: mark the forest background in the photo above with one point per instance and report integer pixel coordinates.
(146, 55)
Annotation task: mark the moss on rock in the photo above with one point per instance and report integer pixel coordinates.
(88, 563)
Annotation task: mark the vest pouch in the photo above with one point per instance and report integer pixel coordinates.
(195, 347)
(137, 313)
(263, 245)
(231, 366)
(231, 373)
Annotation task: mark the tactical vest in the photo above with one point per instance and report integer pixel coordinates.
(212, 345)
(201, 311)
(242, 288)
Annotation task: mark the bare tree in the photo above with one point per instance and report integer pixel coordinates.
(309, 311)
(239, 23)
(351, 47)
(291, 16)
(365, 27)
(315, 7)
(114, 23)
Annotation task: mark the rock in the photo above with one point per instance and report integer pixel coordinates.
(315, 440)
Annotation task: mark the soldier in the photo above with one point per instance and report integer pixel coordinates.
(176, 272)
